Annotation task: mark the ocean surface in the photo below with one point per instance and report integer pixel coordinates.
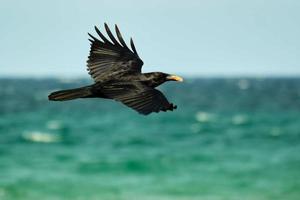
(229, 139)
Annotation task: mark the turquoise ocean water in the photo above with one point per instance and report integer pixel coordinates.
(229, 139)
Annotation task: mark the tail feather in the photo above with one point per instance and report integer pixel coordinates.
(65, 95)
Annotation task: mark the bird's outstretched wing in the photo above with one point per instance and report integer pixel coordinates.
(111, 58)
(139, 97)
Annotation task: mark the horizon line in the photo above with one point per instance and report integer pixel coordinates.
(188, 76)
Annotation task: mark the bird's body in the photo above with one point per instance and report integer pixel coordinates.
(116, 71)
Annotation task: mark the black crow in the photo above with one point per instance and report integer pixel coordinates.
(116, 70)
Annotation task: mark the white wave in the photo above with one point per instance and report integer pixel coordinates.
(204, 117)
(239, 119)
(243, 84)
(195, 128)
(54, 125)
(37, 136)
(275, 132)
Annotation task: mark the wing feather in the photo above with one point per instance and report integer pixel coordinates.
(111, 59)
(119, 35)
(105, 40)
(111, 36)
(95, 39)
(132, 46)
(141, 98)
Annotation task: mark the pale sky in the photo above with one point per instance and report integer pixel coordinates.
(190, 37)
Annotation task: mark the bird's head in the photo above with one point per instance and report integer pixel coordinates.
(158, 78)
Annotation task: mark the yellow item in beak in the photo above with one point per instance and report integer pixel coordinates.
(174, 78)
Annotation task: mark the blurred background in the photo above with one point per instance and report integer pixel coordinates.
(235, 134)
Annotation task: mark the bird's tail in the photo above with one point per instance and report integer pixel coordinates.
(65, 95)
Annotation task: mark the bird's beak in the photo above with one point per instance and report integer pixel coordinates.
(174, 78)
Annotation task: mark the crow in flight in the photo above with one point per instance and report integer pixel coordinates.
(116, 70)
